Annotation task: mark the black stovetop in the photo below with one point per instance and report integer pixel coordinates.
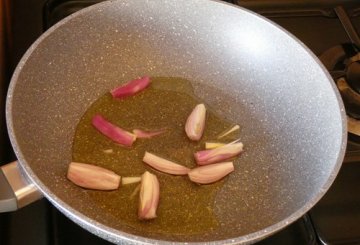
(334, 220)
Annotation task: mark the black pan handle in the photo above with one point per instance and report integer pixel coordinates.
(16, 191)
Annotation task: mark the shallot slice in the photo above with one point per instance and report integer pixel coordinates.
(149, 196)
(218, 154)
(130, 180)
(213, 145)
(195, 123)
(131, 87)
(135, 192)
(108, 151)
(164, 165)
(113, 132)
(229, 131)
(147, 134)
(92, 177)
(210, 173)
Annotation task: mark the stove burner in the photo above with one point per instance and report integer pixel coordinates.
(354, 129)
(350, 97)
(353, 73)
(335, 59)
(342, 61)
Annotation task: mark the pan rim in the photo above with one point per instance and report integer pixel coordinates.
(117, 236)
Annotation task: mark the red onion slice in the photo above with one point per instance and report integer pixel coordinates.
(195, 123)
(113, 132)
(131, 87)
(218, 154)
(210, 173)
(92, 177)
(164, 165)
(149, 196)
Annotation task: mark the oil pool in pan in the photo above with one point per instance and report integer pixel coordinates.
(185, 207)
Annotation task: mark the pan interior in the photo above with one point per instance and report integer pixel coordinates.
(246, 69)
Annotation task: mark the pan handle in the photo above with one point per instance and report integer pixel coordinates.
(16, 191)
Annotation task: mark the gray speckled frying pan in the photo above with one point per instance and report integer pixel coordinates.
(242, 65)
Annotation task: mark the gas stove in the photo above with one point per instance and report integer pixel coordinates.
(328, 28)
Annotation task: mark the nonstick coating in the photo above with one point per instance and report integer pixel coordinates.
(246, 68)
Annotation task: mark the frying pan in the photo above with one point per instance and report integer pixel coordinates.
(245, 67)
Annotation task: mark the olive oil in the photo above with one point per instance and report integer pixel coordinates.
(184, 207)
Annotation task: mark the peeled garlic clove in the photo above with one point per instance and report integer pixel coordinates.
(164, 165)
(210, 173)
(218, 154)
(112, 131)
(195, 123)
(149, 196)
(92, 177)
(131, 88)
